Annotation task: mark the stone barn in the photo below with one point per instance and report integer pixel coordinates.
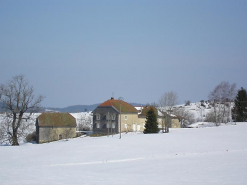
(55, 126)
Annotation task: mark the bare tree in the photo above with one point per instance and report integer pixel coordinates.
(1, 135)
(84, 123)
(186, 116)
(221, 97)
(18, 97)
(166, 102)
(6, 127)
(210, 117)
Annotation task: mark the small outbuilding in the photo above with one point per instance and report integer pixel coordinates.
(55, 126)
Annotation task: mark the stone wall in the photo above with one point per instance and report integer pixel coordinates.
(48, 134)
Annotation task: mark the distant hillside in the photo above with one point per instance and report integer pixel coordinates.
(136, 104)
(79, 108)
(74, 108)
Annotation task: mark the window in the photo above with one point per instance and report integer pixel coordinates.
(125, 117)
(97, 116)
(107, 116)
(113, 117)
(113, 125)
(97, 125)
(107, 125)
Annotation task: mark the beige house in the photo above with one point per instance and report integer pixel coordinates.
(115, 116)
(55, 126)
(175, 120)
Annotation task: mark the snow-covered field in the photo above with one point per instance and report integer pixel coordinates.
(209, 155)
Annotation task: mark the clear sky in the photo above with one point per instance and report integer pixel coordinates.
(80, 52)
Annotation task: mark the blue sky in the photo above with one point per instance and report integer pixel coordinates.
(80, 52)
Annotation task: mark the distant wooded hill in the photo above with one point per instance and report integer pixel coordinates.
(74, 108)
(79, 108)
(71, 109)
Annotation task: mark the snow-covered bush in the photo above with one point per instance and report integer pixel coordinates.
(31, 137)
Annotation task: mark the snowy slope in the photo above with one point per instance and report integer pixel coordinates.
(82, 116)
(212, 155)
(201, 110)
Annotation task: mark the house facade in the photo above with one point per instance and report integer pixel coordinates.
(114, 116)
(55, 126)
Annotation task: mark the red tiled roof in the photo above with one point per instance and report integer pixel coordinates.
(125, 107)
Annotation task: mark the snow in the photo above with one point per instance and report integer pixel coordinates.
(206, 124)
(209, 155)
(197, 109)
(82, 116)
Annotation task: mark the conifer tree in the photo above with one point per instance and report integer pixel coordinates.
(151, 124)
(240, 108)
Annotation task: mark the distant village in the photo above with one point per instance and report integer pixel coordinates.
(110, 117)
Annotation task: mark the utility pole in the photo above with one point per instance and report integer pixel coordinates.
(120, 98)
(108, 124)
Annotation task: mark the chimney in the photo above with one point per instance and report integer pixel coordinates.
(112, 98)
